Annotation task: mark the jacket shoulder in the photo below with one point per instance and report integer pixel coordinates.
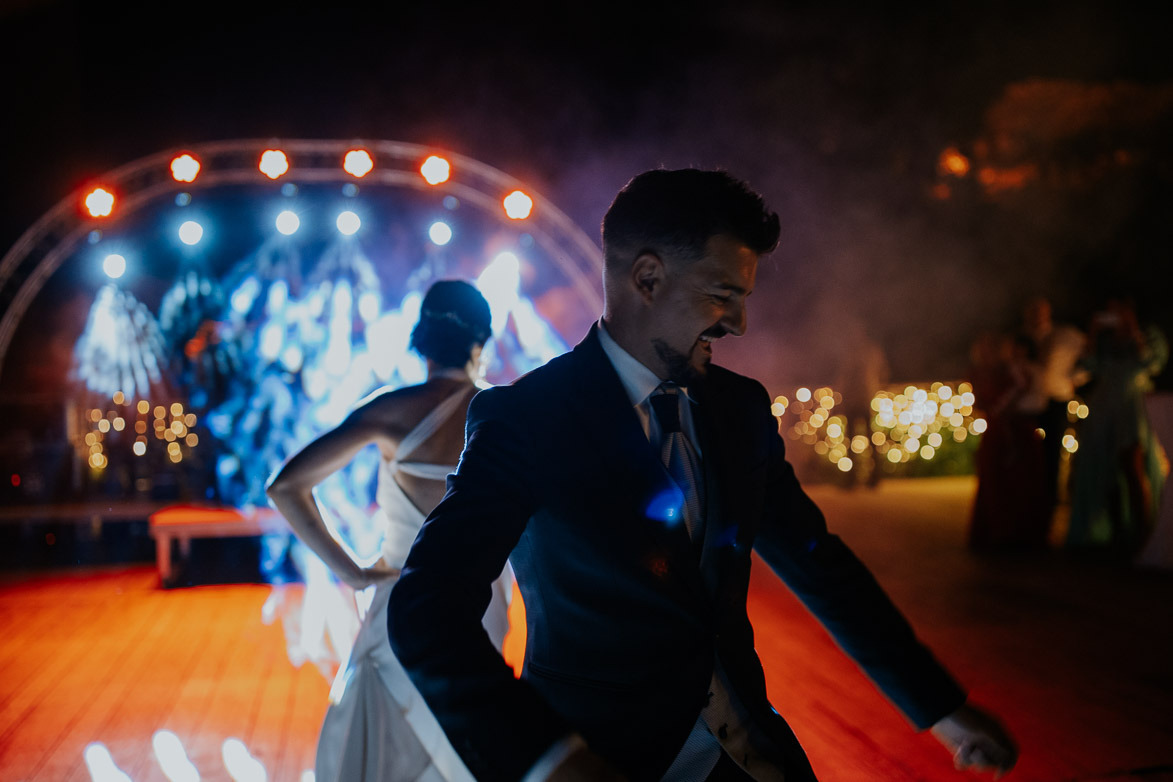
(532, 391)
(726, 383)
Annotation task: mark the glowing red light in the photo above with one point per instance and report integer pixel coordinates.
(99, 202)
(184, 168)
(358, 163)
(273, 163)
(436, 170)
(15, 479)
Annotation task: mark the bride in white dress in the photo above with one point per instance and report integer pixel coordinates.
(377, 726)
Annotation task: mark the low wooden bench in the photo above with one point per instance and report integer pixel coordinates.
(184, 522)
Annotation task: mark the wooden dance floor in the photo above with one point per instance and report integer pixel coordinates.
(1076, 655)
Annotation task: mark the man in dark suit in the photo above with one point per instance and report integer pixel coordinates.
(628, 481)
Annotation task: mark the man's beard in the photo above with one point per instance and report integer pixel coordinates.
(681, 370)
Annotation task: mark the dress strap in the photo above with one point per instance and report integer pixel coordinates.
(430, 423)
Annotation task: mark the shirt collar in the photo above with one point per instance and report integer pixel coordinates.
(638, 381)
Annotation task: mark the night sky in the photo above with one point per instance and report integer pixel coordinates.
(838, 114)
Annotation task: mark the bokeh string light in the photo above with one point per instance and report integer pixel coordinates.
(914, 423)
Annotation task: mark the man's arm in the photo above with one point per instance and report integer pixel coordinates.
(499, 725)
(842, 593)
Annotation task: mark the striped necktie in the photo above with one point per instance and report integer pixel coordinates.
(679, 455)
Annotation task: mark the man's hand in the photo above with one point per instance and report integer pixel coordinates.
(977, 741)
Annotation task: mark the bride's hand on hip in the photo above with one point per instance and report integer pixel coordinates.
(378, 573)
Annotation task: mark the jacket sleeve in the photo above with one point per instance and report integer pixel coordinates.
(498, 724)
(844, 596)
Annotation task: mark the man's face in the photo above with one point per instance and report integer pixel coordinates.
(699, 303)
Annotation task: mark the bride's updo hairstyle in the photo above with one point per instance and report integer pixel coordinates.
(454, 319)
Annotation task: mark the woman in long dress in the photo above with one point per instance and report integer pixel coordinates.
(377, 726)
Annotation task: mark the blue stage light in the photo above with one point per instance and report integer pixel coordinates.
(191, 232)
(440, 233)
(114, 265)
(288, 222)
(348, 223)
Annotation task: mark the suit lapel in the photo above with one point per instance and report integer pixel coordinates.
(716, 427)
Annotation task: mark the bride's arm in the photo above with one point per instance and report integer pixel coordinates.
(291, 491)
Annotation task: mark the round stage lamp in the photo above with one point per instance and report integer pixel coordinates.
(288, 222)
(185, 168)
(191, 232)
(435, 170)
(114, 265)
(518, 205)
(358, 163)
(440, 233)
(99, 202)
(273, 163)
(348, 223)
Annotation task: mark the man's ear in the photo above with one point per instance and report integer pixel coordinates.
(647, 275)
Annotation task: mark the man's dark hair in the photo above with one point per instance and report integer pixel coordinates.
(677, 212)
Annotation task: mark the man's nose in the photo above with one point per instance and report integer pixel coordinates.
(735, 319)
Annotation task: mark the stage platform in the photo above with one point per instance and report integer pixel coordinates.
(1077, 655)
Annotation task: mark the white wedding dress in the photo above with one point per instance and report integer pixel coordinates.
(377, 726)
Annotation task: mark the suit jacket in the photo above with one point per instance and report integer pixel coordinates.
(624, 624)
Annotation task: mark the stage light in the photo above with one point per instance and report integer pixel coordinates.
(191, 232)
(358, 163)
(240, 764)
(101, 765)
(518, 205)
(114, 265)
(99, 202)
(273, 163)
(436, 170)
(288, 222)
(185, 168)
(440, 233)
(348, 223)
(172, 757)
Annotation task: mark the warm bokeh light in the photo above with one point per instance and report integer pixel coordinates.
(114, 265)
(358, 163)
(184, 168)
(348, 223)
(435, 170)
(440, 233)
(99, 202)
(954, 163)
(273, 163)
(518, 205)
(288, 222)
(191, 232)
